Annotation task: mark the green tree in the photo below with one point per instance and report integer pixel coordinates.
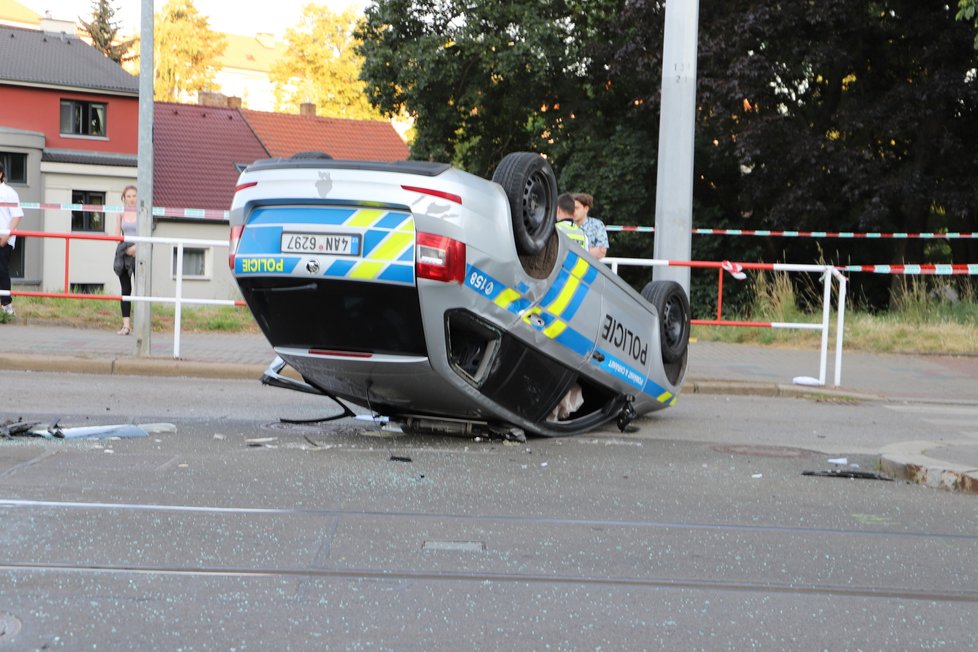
(322, 66)
(968, 11)
(185, 51)
(104, 32)
(481, 78)
(836, 116)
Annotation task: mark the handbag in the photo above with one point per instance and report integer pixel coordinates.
(123, 263)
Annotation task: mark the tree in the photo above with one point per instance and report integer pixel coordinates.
(104, 32)
(968, 11)
(322, 66)
(185, 50)
(835, 115)
(480, 78)
(861, 118)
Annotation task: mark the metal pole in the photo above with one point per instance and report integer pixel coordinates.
(144, 181)
(178, 308)
(826, 309)
(840, 327)
(677, 119)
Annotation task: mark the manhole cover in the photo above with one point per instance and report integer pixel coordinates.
(9, 626)
(763, 451)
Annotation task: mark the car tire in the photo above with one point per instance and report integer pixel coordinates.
(671, 303)
(531, 188)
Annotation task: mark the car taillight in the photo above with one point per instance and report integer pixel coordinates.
(439, 258)
(233, 244)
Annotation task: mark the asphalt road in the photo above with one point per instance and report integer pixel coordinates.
(699, 531)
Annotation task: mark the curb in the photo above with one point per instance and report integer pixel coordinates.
(158, 366)
(908, 461)
(775, 390)
(130, 366)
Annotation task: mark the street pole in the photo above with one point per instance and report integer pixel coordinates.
(144, 182)
(677, 122)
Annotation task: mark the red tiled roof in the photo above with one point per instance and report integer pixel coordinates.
(195, 149)
(344, 139)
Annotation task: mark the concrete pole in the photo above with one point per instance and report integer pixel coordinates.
(677, 121)
(144, 182)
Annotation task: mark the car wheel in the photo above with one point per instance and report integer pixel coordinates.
(531, 188)
(671, 303)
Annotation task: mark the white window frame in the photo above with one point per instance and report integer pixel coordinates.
(208, 254)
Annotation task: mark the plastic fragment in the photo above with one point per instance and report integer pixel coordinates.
(10, 428)
(846, 473)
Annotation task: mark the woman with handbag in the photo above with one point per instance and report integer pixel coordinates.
(125, 254)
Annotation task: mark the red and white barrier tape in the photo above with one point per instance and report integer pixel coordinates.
(158, 211)
(734, 269)
(808, 234)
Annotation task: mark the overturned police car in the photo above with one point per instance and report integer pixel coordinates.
(446, 302)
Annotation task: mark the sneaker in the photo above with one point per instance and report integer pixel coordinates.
(9, 309)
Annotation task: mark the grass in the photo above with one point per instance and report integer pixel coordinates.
(919, 321)
(105, 315)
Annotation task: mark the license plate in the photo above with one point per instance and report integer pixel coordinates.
(336, 244)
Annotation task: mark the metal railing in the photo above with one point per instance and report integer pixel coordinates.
(828, 272)
(178, 299)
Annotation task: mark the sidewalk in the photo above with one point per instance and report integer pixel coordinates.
(713, 368)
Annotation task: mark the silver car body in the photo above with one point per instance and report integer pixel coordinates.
(342, 262)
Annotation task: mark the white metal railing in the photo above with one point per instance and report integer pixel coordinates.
(828, 272)
(178, 299)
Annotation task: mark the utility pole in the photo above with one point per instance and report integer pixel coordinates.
(677, 123)
(144, 182)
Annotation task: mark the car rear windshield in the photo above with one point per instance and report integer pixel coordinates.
(337, 315)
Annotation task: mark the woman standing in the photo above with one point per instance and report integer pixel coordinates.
(9, 220)
(125, 254)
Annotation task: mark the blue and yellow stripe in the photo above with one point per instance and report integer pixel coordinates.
(388, 239)
(557, 307)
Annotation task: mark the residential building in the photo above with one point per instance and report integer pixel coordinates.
(245, 67)
(68, 135)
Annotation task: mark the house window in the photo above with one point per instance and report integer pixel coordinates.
(16, 166)
(88, 220)
(82, 118)
(194, 262)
